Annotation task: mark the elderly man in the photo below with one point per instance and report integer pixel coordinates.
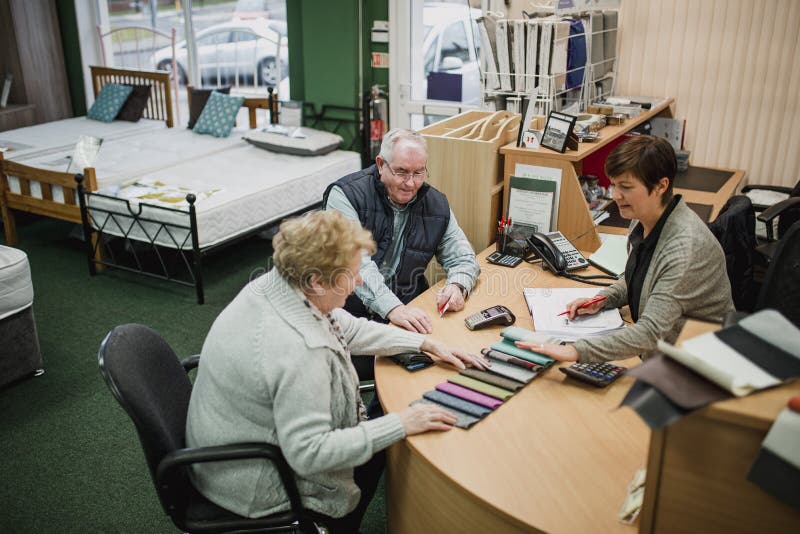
(410, 222)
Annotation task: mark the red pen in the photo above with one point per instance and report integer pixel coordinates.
(584, 305)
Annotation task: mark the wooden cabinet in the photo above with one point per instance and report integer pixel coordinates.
(17, 116)
(697, 468)
(464, 164)
(30, 50)
(574, 220)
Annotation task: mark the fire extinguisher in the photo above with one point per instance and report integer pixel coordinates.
(378, 119)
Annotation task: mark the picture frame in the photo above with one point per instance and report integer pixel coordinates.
(557, 131)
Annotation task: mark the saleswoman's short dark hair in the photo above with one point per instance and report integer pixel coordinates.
(647, 158)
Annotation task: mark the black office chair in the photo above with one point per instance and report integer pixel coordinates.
(145, 376)
(786, 211)
(735, 228)
(781, 288)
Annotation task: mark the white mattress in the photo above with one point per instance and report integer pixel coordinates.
(61, 135)
(16, 288)
(255, 187)
(122, 159)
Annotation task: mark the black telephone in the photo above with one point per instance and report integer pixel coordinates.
(561, 256)
(557, 252)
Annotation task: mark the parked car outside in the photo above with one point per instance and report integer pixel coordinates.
(451, 44)
(243, 48)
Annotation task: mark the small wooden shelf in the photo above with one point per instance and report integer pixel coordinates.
(17, 116)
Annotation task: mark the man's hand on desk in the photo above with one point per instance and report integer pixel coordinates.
(452, 295)
(410, 318)
(562, 353)
(456, 357)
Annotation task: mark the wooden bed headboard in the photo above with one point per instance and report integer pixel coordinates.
(159, 105)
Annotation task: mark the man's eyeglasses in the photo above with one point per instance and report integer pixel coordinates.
(405, 175)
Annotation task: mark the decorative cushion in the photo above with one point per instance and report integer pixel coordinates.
(198, 100)
(134, 107)
(218, 115)
(109, 101)
(301, 142)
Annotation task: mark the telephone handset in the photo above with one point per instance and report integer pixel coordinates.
(557, 252)
(544, 248)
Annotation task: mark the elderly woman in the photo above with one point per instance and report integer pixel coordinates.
(676, 267)
(276, 367)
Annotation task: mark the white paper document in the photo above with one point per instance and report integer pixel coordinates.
(543, 173)
(545, 305)
(531, 208)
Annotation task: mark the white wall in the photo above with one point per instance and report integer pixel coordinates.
(733, 67)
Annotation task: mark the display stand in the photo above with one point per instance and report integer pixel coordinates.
(574, 219)
(463, 163)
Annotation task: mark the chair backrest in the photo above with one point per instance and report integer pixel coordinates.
(735, 228)
(147, 379)
(791, 215)
(781, 288)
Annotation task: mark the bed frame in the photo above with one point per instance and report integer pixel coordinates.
(181, 263)
(159, 107)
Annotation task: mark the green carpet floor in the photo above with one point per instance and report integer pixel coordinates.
(72, 461)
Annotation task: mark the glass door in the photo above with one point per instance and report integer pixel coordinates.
(434, 61)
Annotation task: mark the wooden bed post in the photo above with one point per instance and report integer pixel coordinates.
(90, 177)
(9, 224)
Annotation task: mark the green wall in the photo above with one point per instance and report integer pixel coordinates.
(323, 51)
(68, 25)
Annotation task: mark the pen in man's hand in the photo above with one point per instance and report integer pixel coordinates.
(584, 305)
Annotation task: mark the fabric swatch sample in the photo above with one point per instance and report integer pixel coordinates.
(462, 420)
(494, 380)
(507, 358)
(134, 106)
(468, 394)
(109, 101)
(514, 372)
(219, 115)
(509, 348)
(198, 100)
(481, 387)
(458, 404)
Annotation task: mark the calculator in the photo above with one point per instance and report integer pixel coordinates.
(599, 374)
(506, 260)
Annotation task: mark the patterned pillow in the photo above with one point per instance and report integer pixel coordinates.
(218, 115)
(109, 101)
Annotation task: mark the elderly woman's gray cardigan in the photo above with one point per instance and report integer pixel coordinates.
(272, 372)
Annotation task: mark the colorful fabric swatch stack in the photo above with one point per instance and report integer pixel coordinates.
(473, 394)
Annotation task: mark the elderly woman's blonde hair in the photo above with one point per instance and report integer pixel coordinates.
(318, 243)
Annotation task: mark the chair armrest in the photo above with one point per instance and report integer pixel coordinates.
(776, 209)
(776, 188)
(238, 451)
(191, 362)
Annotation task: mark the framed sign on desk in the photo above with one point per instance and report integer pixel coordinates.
(557, 130)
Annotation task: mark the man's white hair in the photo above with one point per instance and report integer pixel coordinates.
(397, 135)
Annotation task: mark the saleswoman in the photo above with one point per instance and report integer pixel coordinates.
(676, 267)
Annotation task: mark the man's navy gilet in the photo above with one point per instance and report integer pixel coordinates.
(427, 221)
